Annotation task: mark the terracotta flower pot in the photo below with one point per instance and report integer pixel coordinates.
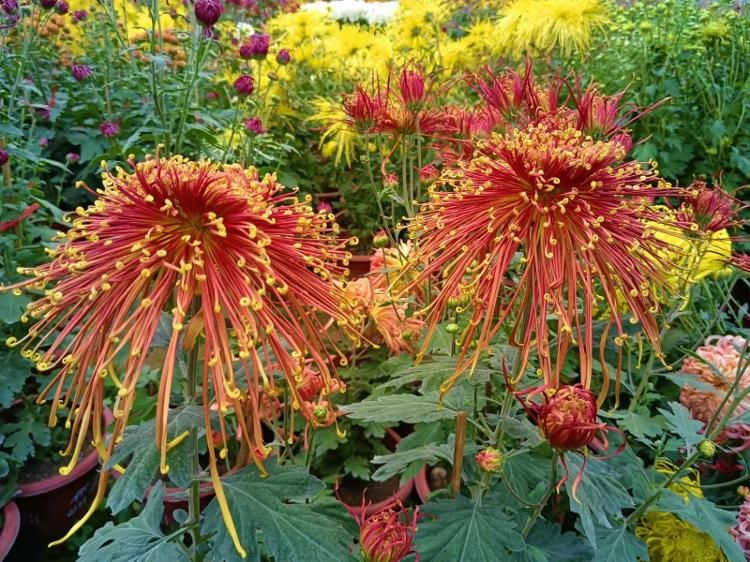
(51, 506)
(11, 525)
(400, 494)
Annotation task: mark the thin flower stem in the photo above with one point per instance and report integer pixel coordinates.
(545, 499)
(458, 453)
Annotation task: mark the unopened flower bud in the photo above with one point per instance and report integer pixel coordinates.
(453, 328)
(320, 413)
(489, 460)
(707, 448)
(568, 418)
(380, 240)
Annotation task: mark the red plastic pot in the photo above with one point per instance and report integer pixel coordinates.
(11, 525)
(391, 440)
(51, 506)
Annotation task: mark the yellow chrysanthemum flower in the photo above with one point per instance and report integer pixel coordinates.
(337, 130)
(668, 537)
(541, 26)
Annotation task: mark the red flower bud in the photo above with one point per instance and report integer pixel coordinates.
(208, 12)
(489, 460)
(387, 536)
(567, 419)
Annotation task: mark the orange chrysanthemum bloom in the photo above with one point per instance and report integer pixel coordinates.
(570, 216)
(234, 257)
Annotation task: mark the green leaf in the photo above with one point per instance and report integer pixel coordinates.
(599, 496)
(396, 463)
(619, 545)
(292, 530)
(546, 543)
(139, 445)
(462, 530)
(682, 424)
(432, 374)
(22, 436)
(641, 425)
(524, 471)
(15, 372)
(12, 306)
(357, 466)
(138, 540)
(707, 517)
(400, 408)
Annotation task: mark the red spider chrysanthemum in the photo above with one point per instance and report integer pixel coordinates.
(571, 216)
(230, 254)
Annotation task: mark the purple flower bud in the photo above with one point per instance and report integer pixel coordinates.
(3, 157)
(47, 4)
(44, 142)
(244, 85)
(255, 125)
(72, 157)
(109, 128)
(10, 7)
(208, 12)
(257, 46)
(61, 7)
(283, 56)
(81, 71)
(80, 15)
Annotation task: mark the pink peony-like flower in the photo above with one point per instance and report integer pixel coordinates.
(255, 125)
(244, 85)
(721, 357)
(741, 531)
(208, 12)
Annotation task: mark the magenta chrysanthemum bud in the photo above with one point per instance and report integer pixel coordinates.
(80, 15)
(208, 12)
(61, 7)
(4, 157)
(47, 4)
(283, 56)
(72, 157)
(255, 125)
(80, 71)
(109, 128)
(244, 85)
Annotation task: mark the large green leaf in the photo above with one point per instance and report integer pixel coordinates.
(682, 424)
(292, 530)
(23, 435)
(12, 306)
(431, 374)
(462, 530)
(707, 517)
(396, 463)
(139, 445)
(619, 545)
(138, 540)
(527, 474)
(546, 543)
(401, 408)
(15, 372)
(600, 495)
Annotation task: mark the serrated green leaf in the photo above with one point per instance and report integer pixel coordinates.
(357, 466)
(641, 425)
(292, 531)
(23, 435)
(138, 540)
(396, 463)
(400, 408)
(12, 307)
(432, 374)
(15, 372)
(707, 517)
(619, 545)
(546, 543)
(600, 494)
(524, 471)
(682, 424)
(462, 530)
(139, 446)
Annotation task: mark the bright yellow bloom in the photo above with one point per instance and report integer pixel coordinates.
(337, 131)
(540, 26)
(668, 537)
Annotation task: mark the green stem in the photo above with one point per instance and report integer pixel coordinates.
(545, 499)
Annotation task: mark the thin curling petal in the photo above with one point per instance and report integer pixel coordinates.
(569, 217)
(229, 253)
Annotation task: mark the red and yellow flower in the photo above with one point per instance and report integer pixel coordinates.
(244, 268)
